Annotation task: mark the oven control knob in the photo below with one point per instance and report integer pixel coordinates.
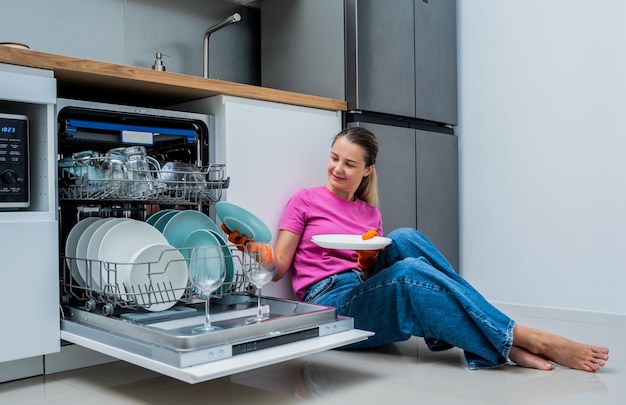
(8, 177)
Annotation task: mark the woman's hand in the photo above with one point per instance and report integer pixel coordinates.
(366, 259)
(262, 252)
(235, 238)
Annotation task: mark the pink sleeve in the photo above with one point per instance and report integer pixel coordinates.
(294, 216)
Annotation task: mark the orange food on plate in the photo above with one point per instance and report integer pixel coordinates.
(369, 234)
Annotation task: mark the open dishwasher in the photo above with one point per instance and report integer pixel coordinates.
(150, 324)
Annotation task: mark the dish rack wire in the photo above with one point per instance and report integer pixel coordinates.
(79, 180)
(110, 295)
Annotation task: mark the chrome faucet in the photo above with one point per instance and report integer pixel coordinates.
(230, 20)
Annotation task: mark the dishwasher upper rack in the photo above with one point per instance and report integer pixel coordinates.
(82, 180)
(109, 294)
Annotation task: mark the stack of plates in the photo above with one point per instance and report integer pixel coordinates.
(189, 229)
(145, 262)
(177, 225)
(71, 246)
(128, 259)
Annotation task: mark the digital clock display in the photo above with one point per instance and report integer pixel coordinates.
(14, 162)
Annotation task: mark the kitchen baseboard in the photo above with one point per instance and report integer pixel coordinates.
(72, 357)
(23, 368)
(514, 310)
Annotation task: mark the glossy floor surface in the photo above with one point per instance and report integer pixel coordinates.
(402, 373)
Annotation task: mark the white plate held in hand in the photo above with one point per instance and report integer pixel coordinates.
(350, 242)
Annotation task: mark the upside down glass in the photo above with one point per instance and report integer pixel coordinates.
(207, 271)
(259, 269)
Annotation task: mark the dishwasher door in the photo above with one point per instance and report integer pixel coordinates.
(216, 369)
(167, 346)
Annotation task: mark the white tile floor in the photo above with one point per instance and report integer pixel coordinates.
(403, 373)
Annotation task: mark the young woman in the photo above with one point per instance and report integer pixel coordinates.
(408, 288)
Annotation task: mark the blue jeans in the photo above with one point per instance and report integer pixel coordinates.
(414, 291)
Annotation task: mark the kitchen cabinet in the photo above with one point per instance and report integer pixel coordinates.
(114, 83)
(418, 183)
(401, 60)
(398, 60)
(435, 61)
(29, 237)
(380, 58)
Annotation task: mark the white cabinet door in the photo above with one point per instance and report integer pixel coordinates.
(271, 150)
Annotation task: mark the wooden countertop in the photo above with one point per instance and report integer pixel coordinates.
(108, 82)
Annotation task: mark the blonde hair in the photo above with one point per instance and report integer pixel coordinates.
(368, 189)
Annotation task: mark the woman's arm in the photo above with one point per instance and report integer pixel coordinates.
(284, 251)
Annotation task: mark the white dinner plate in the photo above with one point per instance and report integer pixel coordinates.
(93, 248)
(71, 244)
(350, 242)
(239, 219)
(183, 223)
(164, 269)
(120, 244)
(84, 266)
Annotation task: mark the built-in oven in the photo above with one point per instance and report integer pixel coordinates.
(119, 164)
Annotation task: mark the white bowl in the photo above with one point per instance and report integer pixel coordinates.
(159, 268)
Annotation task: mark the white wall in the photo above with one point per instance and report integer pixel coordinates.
(543, 151)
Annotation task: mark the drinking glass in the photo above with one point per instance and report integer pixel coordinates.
(139, 171)
(207, 271)
(115, 173)
(259, 269)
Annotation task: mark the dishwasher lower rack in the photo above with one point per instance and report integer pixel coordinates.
(98, 285)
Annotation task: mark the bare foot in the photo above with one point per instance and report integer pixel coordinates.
(524, 358)
(562, 351)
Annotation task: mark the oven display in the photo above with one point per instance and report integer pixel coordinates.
(14, 169)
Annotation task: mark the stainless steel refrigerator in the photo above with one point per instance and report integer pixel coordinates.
(395, 64)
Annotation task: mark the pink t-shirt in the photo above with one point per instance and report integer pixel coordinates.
(316, 211)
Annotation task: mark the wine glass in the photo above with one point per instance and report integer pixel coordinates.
(207, 272)
(259, 270)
